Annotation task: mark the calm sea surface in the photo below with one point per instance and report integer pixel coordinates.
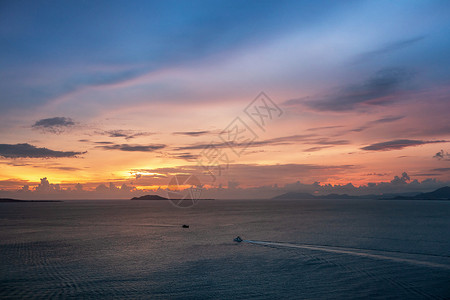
(318, 249)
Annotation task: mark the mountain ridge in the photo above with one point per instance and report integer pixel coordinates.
(442, 193)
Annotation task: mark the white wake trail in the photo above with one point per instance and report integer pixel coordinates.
(351, 251)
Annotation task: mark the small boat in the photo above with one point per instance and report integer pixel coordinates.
(185, 226)
(237, 239)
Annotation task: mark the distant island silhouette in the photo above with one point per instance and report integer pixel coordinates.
(19, 201)
(306, 196)
(157, 197)
(439, 194)
(149, 197)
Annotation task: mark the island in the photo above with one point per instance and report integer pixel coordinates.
(307, 196)
(157, 197)
(149, 197)
(3, 200)
(439, 194)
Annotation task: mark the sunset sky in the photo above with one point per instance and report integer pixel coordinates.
(119, 96)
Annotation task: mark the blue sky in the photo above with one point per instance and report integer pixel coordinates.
(56, 41)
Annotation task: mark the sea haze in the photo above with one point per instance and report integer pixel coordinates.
(297, 249)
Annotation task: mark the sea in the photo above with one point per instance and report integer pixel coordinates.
(290, 249)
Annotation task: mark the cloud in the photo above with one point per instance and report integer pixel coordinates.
(427, 174)
(52, 122)
(187, 156)
(46, 187)
(326, 141)
(180, 155)
(53, 165)
(376, 174)
(53, 125)
(104, 143)
(401, 180)
(261, 185)
(359, 129)
(323, 127)
(397, 145)
(102, 188)
(68, 169)
(309, 139)
(441, 170)
(29, 151)
(374, 91)
(127, 134)
(367, 125)
(388, 119)
(15, 164)
(250, 174)
(13, 182)
(193, 133)
(314, 149)
(370, 124)
(441, 155)
(284, 140)
(212, 145)
(389, 48)
(133, 148)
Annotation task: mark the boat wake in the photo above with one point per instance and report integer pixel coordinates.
(374, 254)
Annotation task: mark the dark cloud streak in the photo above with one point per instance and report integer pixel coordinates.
(397, 144)
(127, 134)
(133, 148)
(192, 133)
(386, 120)
(323, 128)
(377, 90)
(53, 125)
(441, 170)
(29, 151)
(309, 139)
(398, 45)
(315, 149)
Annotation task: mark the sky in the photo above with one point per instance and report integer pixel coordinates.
(107, 99)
